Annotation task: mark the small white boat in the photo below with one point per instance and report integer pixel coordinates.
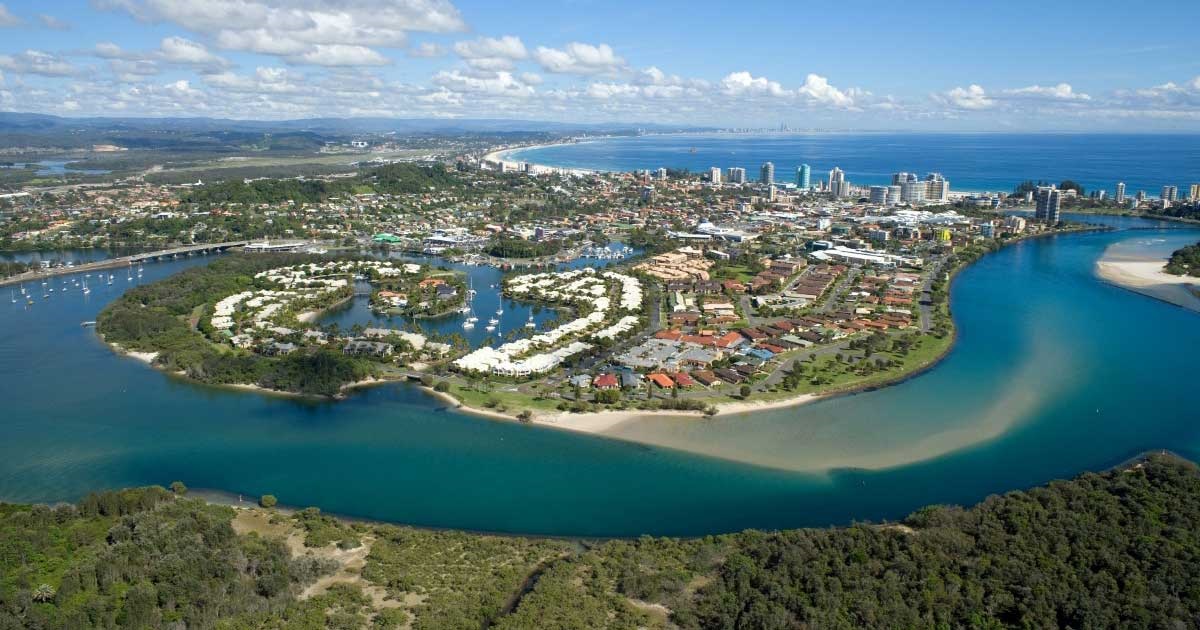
(499, 312)
(468, 325)
(493, 321)
(490, 328)
(14, 297)
(530, 324)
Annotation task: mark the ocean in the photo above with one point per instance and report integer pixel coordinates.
(977, 162)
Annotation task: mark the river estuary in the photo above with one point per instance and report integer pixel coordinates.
(1054, 373)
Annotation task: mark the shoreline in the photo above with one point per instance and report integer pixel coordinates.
(599, 422)
(1145, 276)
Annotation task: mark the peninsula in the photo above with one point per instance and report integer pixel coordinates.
(1174, 280)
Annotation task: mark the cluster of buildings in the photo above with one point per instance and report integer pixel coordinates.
(602, 319)
(272, 318)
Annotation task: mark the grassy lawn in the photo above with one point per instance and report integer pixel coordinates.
(512, 402)
(741, 273)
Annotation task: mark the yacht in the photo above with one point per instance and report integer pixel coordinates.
(490, 327)
(14, 297)
(499, 311)
(493, 321)
(530, 324)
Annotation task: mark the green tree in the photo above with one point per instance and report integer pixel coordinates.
(178, 488)
(268, 501)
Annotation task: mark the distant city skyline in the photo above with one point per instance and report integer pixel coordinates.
(1067, 66)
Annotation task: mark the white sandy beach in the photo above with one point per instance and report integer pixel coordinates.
(1148, 278)
(605, 422)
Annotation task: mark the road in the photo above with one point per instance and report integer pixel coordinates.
(38, 275)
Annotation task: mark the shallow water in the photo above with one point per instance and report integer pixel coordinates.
(1054, 373)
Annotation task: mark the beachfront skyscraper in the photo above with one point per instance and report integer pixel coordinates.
(1168, 194)
(737, 175)
(936, 187)
(912, 193)
(838, 185)
(714, 174)
(1194, 193)
(804, 176)
(767, 173)
(1120, 192)
(1049, 199)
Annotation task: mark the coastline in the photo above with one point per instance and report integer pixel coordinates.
(607, 423)
(1145, 276)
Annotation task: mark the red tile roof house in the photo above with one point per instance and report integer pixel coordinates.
(706, 378)
(683, 380)
(753, 334)
(662, 380)
(729, 340)
(606, 381)
(669, 335)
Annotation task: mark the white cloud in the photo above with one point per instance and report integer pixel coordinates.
(53, 23)
(507, 47)
(500, 84)
(816, 90)
(304, 31)
(611, 90)
(1062, 91)
(578, 58)
(265, 80)
(184, 51)
(109, 50)
(132, 70)
(971, 97)
(339, 55)
(7, 18)
(37, 62)
(426, 50)
(743, 84)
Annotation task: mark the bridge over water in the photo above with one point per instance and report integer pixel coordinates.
(124, 261)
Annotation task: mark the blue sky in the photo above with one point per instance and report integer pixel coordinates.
(1050, 65)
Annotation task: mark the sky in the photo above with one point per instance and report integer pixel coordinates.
(1051, 65)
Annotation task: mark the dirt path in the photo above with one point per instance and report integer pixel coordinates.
(350, 561)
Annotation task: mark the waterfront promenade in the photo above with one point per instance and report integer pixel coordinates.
(123, 261)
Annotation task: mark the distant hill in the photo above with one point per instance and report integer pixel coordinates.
(27, 123)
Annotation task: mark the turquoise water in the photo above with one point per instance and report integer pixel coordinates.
(1054, 373)
(977, 162)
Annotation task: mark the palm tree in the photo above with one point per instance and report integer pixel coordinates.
(43, 593)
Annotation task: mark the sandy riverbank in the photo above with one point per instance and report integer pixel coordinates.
(1146, 276)
(603, 422)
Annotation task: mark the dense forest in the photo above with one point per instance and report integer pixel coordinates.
(1185, 261)
(156, 318)
(1113, 550)
(521, 248)
(390, 178)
